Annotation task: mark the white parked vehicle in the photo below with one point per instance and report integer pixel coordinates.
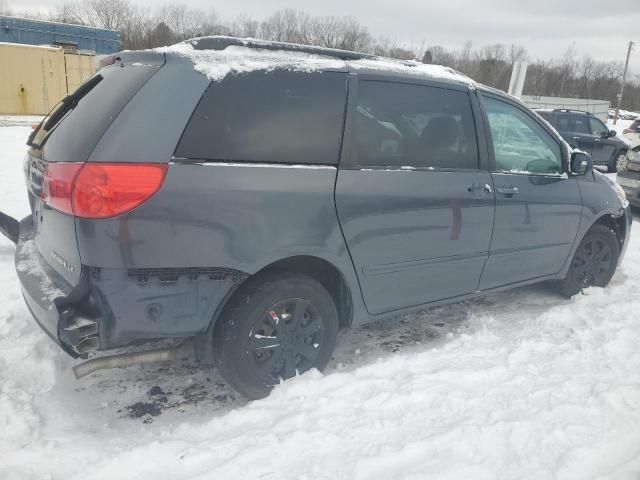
(632, 135)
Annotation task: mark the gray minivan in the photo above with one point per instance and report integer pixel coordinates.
(257, 207)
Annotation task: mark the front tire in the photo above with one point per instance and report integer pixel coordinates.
(594, 262)
(620, 164)
(273, 329)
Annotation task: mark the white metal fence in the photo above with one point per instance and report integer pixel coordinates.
(600, 108)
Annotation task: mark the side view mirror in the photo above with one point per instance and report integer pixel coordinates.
(581, 163)
(611, 133)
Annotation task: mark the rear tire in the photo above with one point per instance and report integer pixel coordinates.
(274, 328)
(594, 262)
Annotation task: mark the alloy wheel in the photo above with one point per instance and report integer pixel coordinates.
(621, 162)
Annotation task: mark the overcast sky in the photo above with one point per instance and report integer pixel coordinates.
(546, 28)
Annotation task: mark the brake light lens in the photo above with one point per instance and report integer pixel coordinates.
(57, 185)
(100, 190)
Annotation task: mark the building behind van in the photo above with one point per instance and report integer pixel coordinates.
(43, 62)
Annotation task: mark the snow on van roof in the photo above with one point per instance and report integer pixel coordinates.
(216, 64)
(411, 67)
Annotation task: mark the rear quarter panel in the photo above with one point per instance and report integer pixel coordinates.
(239, 216)
(149, 127)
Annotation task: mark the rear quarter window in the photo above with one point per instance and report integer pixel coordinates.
(268, 117)
(75, 136)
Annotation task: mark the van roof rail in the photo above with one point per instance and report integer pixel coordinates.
(569, 110)
(220, 42)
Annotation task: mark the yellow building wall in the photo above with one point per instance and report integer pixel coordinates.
(78, 68)
(33, 79)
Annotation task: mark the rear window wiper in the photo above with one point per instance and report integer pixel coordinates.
(63, 107)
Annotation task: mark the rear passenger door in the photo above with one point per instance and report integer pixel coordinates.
(538, 207)
(413, 197)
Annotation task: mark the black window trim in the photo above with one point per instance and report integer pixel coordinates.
(346, 157)
(492, 159)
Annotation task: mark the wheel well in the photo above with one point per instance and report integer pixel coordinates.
(324, 272)
(615, 224)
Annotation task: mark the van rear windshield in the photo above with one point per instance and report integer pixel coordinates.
(73, 128)
(269, 117)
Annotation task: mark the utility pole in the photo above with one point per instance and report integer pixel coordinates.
(624, 78)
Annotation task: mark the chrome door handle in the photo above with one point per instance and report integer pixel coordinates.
(507, 190)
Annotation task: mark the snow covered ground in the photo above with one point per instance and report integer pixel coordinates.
(523, 384)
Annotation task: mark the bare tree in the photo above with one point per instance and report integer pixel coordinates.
(339, 32)
(287, 25)
(141, 27)
(136, 30)
(187, 23)
(4, 8)
(69, 13)
(244, 26)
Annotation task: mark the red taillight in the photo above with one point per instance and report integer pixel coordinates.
(57, 185)
(100, 190)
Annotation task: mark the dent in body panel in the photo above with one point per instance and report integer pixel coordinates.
(143, 308)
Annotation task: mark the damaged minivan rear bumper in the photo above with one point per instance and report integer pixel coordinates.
(65, 312)
(111, 308)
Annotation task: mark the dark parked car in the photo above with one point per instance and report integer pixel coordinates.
(588, 133)
(260, 212)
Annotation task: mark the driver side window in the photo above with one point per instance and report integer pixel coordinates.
(597, 127)
(519, 143)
